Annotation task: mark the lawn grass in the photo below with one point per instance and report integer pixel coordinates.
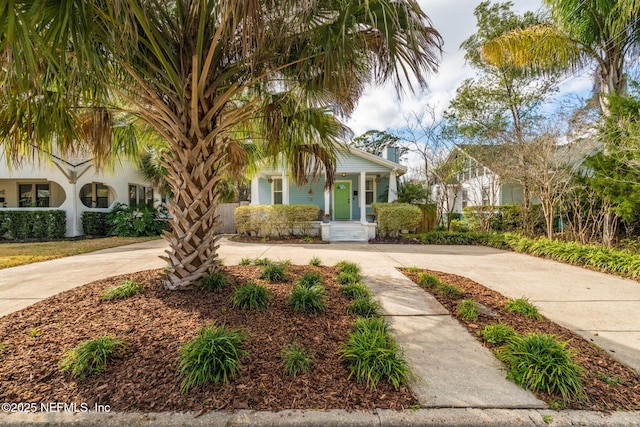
(14, 254)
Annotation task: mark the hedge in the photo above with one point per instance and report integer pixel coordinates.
(95, 223)
(394, 217)
(506, 218)
(276, 220)
(33, 224)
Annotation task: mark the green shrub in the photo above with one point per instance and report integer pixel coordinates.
(90, 357)
(296, 359)
(212, 356)
(498, 333)
(213, 281)
(126, 289)
(251, 296)
(246, 261)
(348, 267)
(276, 220)
(95, 223)
(364, 307)
(428, 280)
(394, 217)
(307, 300)
(345, 277)
(372, 354)
(524, 307)
(40, 224)
(262, 261)
(315, 261)
(275, 272)
(136, 221)
(413, 269)
(468, 310)
(540, 363)
(355, 290)
(458, 226)
(449, 290)
(309, 279)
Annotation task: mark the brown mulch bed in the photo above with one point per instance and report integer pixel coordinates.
(144, 377)
(598, 365)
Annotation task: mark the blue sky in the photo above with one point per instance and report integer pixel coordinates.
(379, 108)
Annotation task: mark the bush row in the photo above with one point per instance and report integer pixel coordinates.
(27, 224)
(276, 220)
(394, 217)
(607, 260)
(504, 218)
(125, 221)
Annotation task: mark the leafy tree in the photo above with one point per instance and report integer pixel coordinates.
(502, 103)
(579, 34)
(376, 142)
(207, 76)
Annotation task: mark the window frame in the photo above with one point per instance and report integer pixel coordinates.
(274, 191)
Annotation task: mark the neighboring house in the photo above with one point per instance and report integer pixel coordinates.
(361, 179)
(471, 182)
(73, 185)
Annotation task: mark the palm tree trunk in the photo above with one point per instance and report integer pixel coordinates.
(194, 173)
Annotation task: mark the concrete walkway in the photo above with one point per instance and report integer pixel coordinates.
(452, 369)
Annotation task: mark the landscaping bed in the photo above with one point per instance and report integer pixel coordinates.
(278, 239)
(143, 376)
(609, 385)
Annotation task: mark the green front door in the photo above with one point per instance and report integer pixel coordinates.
(342, 199)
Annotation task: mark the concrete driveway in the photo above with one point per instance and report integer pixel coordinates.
(602, 308)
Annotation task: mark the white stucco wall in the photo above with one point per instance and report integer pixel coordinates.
(118, 179)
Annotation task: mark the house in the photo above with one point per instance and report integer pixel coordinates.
(361, 179)
(469, 180)
(73, 185)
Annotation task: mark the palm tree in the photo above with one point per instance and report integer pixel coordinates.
(581, 33)
(207, 76)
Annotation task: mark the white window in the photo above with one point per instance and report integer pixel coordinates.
(369, 191)
(33, 195)
(465, 198)
(276, 191)
(139, 194)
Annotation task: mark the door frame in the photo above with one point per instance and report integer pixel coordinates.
(333, 199)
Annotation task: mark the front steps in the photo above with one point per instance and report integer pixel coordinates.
(348, 231)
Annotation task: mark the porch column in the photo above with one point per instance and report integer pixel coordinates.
(327, 201)
(393, 188)
(363, 198)
(285, 188)
(255, 191)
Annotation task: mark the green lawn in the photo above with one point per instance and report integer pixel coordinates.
(13, 254)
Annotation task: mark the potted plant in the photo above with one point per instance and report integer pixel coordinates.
(326, 217)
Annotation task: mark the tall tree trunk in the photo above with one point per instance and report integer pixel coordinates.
(194, 173)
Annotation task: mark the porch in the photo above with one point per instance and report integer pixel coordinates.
(348, 231)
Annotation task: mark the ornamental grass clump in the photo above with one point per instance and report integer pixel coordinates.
(212, 356)
(346, 277)
(449, 290)
(498, 333)
(309, 279)
(428, 280)
(213, 281)
(307, 300)
(315, 261)
(372, 355)
(540, 363)
(90, 357)
(355, 290)
(296, 359)
(468, 309)
(251, 296)
(348, 267)
(524, 307)
(274, 272)
(126, 289)
(365, 307)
